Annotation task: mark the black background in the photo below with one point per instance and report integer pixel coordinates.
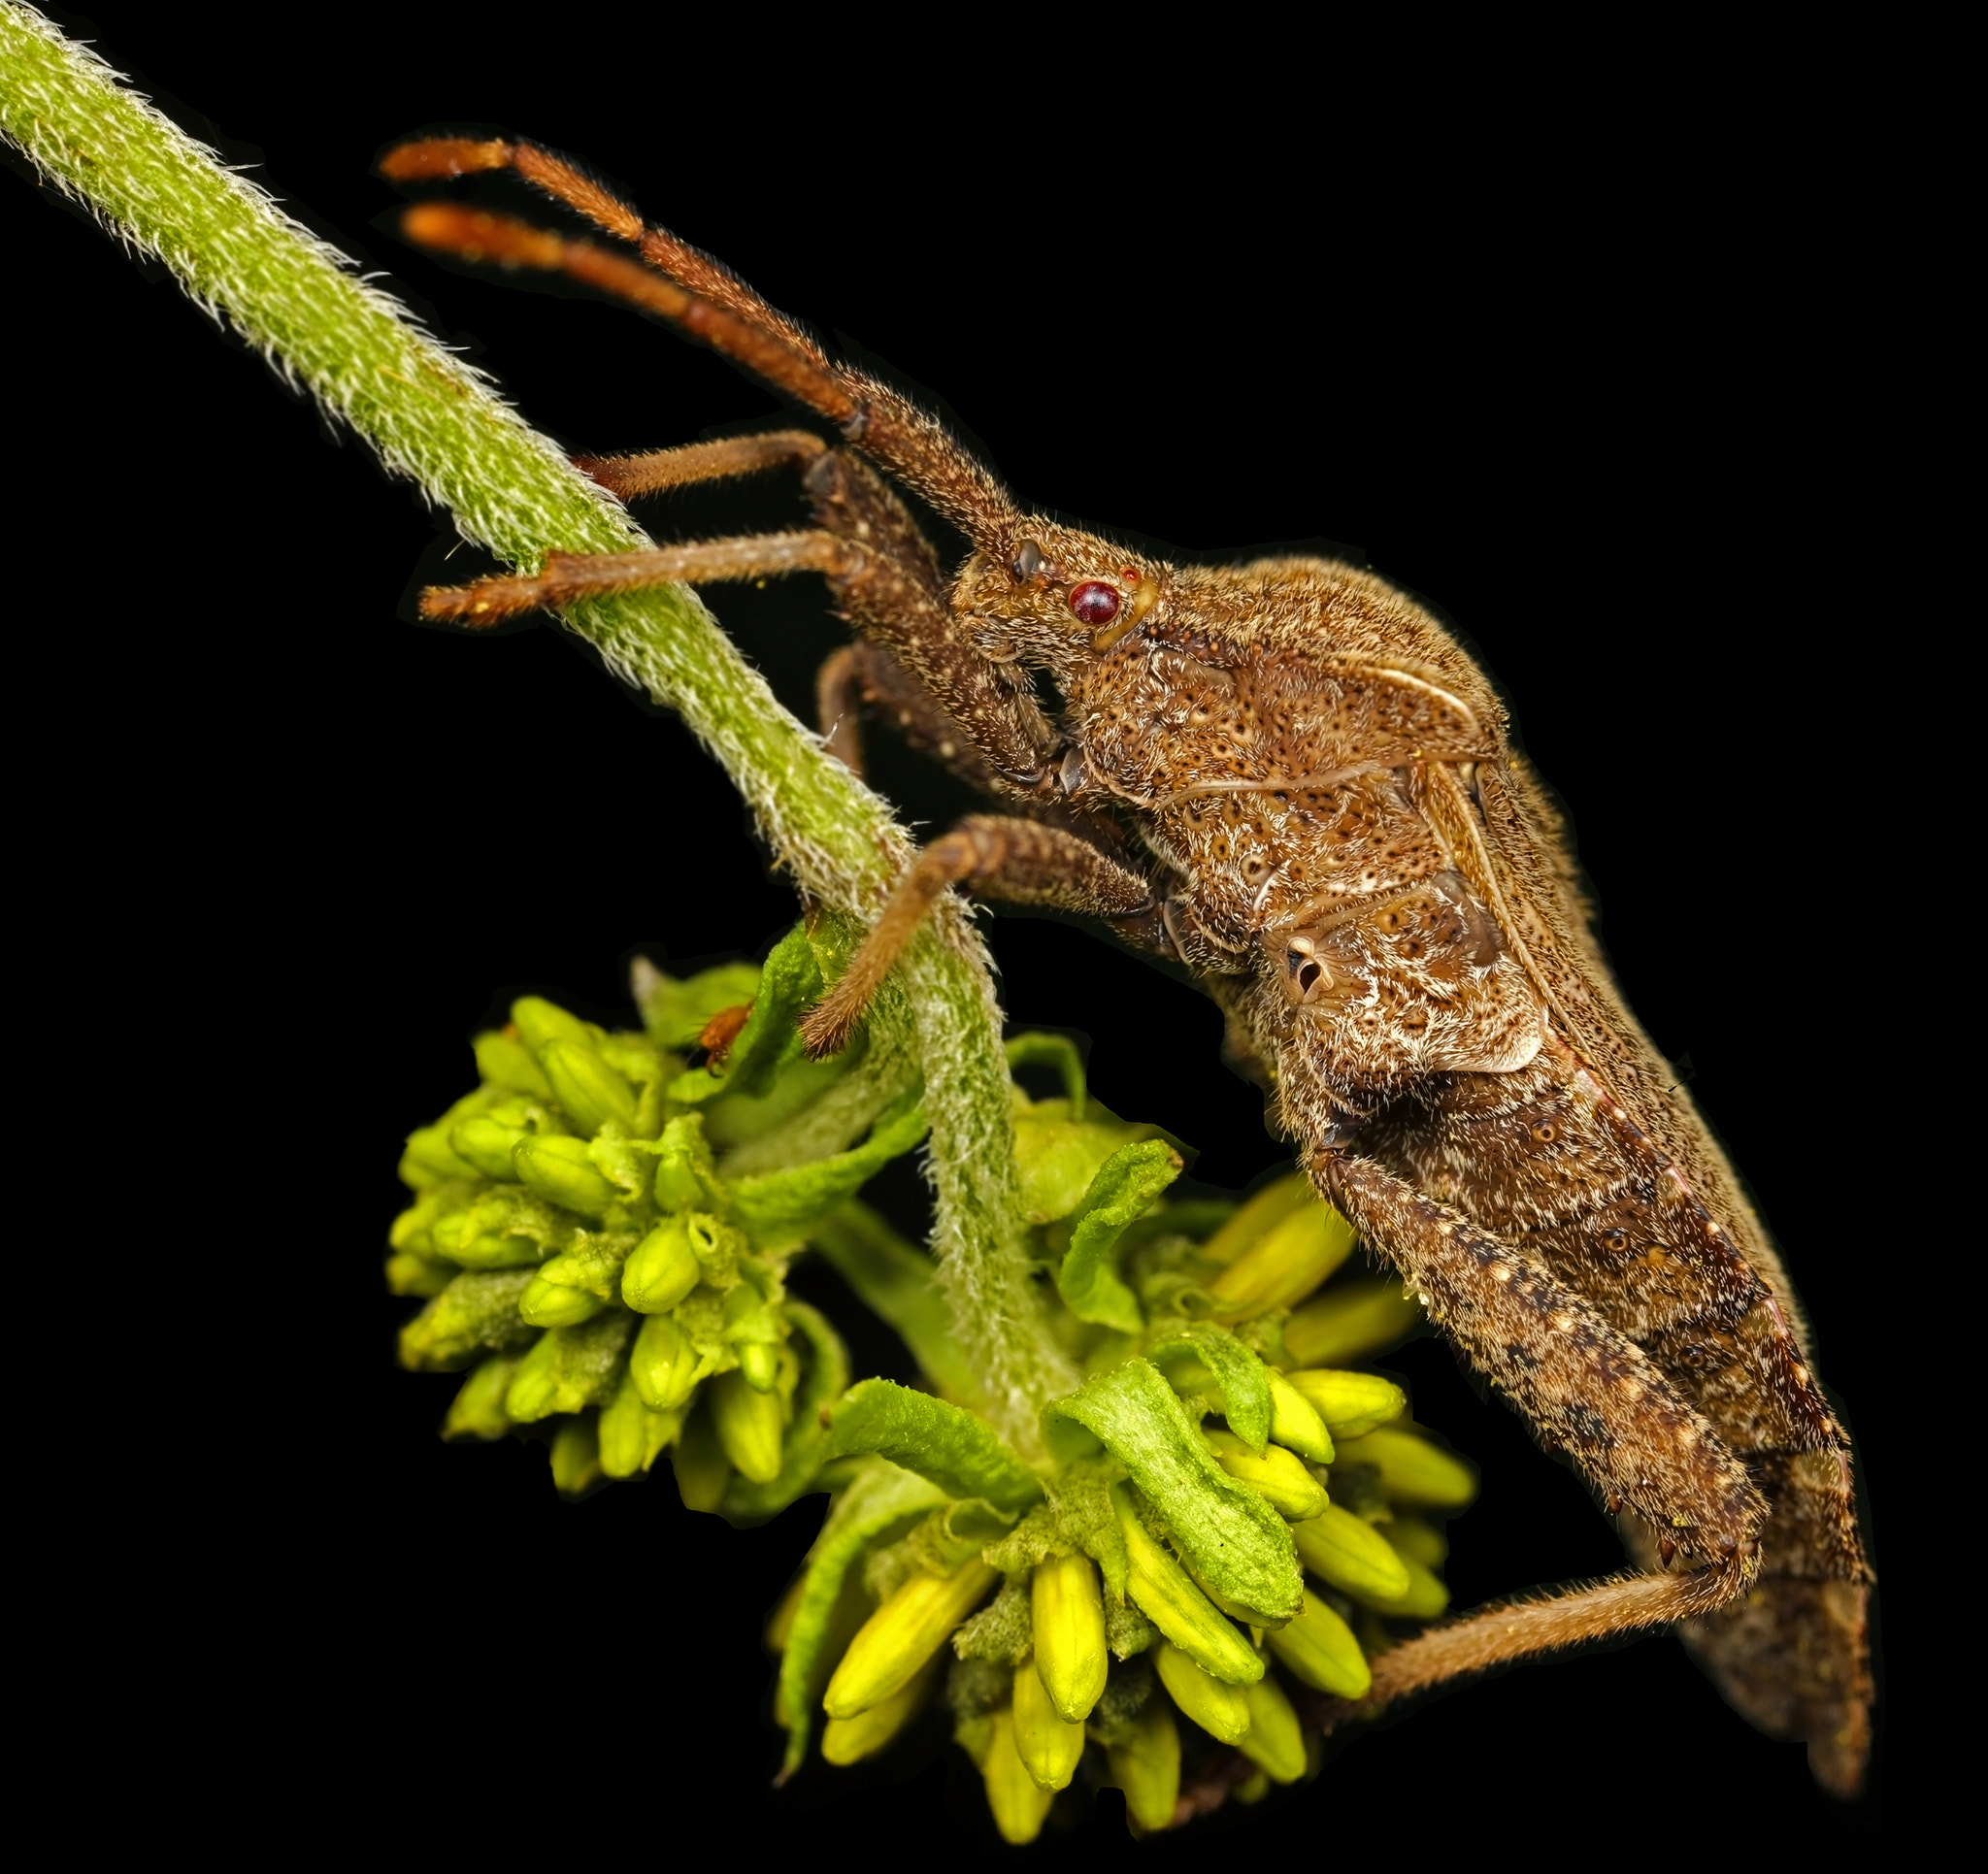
(1548, 355)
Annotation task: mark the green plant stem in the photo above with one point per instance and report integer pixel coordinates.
(435, 419)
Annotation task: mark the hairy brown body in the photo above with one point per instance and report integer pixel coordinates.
(1289, 777)
(1464, 1034)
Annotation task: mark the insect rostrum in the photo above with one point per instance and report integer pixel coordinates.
(1288, 777)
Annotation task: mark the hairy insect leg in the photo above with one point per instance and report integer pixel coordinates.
(1494, 1636)
(971, 701)
(568, 578)
(867, 675)
(1586, 1388)
(976, 713)
(1589, 1390)
(839, 693)
(1021, 862)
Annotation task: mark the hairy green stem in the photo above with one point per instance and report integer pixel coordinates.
(438, 421)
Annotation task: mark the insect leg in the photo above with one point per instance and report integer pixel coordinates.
(1519, 1630)
(884, 579)
(867, 675)
(1587, 1388)
(898, 597)
(839, 693)
(864, 675)
(1021, 862)
(568, 578)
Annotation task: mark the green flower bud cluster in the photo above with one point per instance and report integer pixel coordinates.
(1227, 1518)
(601, 1232)
(1233, 1519)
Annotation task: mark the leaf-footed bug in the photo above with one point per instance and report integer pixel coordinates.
(1289, 778)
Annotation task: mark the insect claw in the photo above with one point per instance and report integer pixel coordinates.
(1666, 1549)
(485, 602)
(1335, 1136)
(1147, 929)
(826, 1027)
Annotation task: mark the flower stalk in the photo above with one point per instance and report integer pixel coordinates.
(435, 419)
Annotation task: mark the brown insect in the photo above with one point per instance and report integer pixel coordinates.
(1288, 776)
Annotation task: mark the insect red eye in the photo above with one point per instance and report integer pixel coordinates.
(1095, 602)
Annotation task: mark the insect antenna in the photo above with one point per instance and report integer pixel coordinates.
(688, 289)
(565, 181)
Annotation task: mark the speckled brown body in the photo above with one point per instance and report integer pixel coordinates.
(1464, 1034)
(1289, 777)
